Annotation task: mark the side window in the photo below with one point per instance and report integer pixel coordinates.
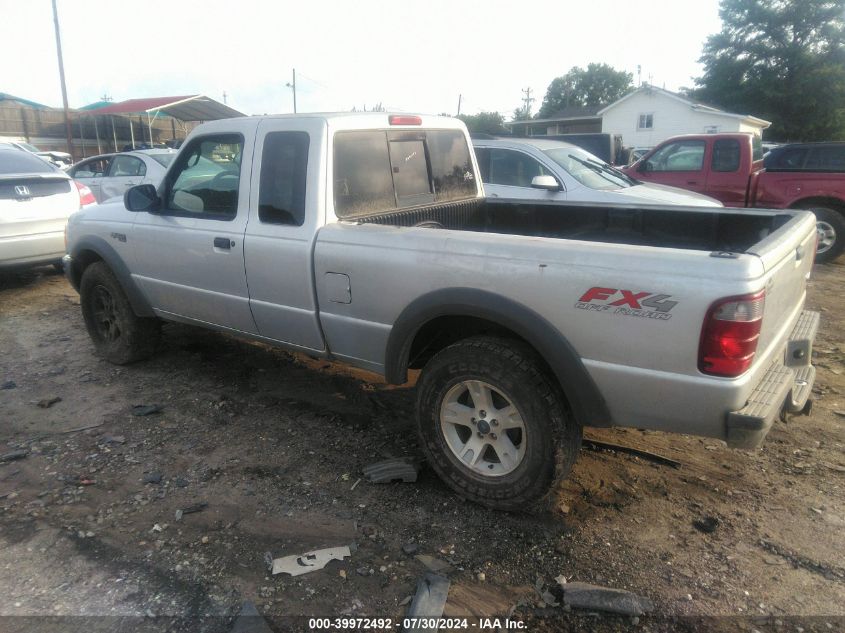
(725, 155)
(127, 166)
(362, 174)
(205, 181)
(508, 167)
(94, 168)
(679, 156)
(284, 163)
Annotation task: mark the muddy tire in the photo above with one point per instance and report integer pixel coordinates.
(118, 334)
(830, 224)
(493, 424)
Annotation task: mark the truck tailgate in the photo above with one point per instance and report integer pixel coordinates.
(787, 258)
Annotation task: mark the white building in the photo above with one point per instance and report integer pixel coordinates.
(649, 115)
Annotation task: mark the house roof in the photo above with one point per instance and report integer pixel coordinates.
(567, 114)
(697, 106)
(5, 96)
(184, 108)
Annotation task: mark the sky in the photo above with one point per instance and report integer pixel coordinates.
(408, 55)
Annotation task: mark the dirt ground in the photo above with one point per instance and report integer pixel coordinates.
(274, 444)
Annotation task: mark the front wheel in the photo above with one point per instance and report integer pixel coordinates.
(118, 334)
(830, 225)
(492, 423)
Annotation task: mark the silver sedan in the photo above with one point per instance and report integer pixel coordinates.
(110, 175)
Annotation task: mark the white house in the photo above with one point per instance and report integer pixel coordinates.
(649, 115)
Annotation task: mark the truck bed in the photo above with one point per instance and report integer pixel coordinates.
(692, 228)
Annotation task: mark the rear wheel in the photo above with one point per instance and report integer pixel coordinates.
(830, 225)
(493, 424)
(118, 334)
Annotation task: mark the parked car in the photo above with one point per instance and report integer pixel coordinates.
(110, 175)
(732, 169)
(62, 160)
(367, 238)
(36, 199)
(540, 169)
(807, 157)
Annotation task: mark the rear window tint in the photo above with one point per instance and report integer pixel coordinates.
(17, 161)
(362, 180)
(451, 165)
(378, 171)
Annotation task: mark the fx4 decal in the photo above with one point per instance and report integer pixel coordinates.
(627, 302)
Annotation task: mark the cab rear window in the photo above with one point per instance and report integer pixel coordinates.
(384, 170)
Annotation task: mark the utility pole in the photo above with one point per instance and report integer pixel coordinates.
(68, 132)
(293, 86)
(459, 105)
(224, 97)
(527, 100)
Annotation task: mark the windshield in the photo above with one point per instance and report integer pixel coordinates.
(589, 170)
(163, 159)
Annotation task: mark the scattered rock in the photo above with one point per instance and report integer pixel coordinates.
(112, 439)
(153, 478)
(410, 548)
(481, 576)
(13, 455)
(46, 403)
(434, 564)
(582, 595)
(707, 524)
(140, 410)
(9, 384)
(196, 507)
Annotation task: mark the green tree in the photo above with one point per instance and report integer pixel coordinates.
(598, 84)
(484, 122)
(781, 60)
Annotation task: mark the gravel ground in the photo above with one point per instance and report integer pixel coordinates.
(274, 445)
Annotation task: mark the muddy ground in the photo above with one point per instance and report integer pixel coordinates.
(274, 444)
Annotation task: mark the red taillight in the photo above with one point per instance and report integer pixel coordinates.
(85, 195)
(404, 119)
(729, 335)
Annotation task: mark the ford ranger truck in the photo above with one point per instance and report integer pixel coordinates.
(730, 168)
(366, 238)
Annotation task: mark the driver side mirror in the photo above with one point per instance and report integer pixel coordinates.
(545, 182)
(141, 198)
(646, 166)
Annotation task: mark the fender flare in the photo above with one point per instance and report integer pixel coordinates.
(584, 397)
(113, 260)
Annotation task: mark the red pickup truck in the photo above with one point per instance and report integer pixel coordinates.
(730, 168)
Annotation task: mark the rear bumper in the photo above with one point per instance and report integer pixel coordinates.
(31, 250)
(786, 386)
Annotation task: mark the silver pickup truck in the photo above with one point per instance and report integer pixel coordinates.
(367, 238)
